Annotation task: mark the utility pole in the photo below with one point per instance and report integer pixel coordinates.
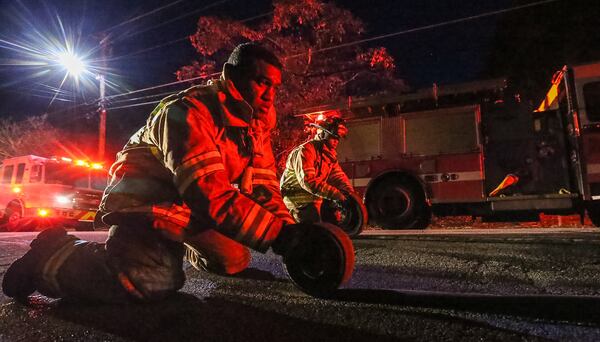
(102, 124)
(102, 101)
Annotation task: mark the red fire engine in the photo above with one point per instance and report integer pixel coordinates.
(36, 190)
(491, 157)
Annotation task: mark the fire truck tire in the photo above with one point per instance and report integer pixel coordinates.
(3, 220)
(593, 210)
(398, 204)
(11, 218)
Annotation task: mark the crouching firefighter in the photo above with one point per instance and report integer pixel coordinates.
(312, 172)
(197, 179)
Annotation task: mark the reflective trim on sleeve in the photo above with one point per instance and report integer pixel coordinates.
(184, 183)
(337, 173)
(248, 220)
(265, 177)
(177, 215)
(301, 197)
(53, 264)
(260, 227)
(254, 226)
(259, 171)
(198, 158)
(330, 192)
(269, 237)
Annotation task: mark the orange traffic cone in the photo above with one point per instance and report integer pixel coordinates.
(509, 180)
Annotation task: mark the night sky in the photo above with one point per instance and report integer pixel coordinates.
(148, 50)
(440, 55)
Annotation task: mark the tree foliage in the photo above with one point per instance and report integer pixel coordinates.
(309, 35)
(31, 136)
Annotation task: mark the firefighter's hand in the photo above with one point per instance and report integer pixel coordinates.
(339, 196)
(289, 237)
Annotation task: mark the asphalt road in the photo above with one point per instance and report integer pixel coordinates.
(439, 286)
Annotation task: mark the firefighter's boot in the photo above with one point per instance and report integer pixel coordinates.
(25, 275)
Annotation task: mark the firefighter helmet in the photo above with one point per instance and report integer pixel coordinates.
(332, 125)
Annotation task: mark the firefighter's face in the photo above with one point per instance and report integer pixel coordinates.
(332, 142)
(259, 89)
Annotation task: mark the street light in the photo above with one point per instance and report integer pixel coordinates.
(72, 63)
(75, 66)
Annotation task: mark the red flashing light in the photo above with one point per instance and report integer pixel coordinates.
(80, 162)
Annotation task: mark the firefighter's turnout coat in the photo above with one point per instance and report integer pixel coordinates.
(201, 161)
(201, 167)
(312, 173)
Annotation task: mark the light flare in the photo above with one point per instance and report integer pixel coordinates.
(51, 52)
(62, 199)
(72, 63)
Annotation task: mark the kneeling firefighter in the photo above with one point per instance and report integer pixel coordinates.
(312, 172)
(197, 179)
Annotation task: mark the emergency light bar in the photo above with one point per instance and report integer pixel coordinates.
(80, 162)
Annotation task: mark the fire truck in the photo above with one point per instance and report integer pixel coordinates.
(474, 149)
(36, 192)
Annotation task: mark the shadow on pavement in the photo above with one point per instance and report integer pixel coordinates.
(584, 309)
(256, 274)
(184, 317)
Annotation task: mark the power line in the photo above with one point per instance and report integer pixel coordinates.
(142, 97)
(182, 39)
(187, 14)
(148, 49)
(158, 86)
(329, 48)
(427, 27)
(145, 14)
(134, 105)
(441, 24)
(172, 42)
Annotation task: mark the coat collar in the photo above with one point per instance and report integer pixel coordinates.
(326, 152)
(236, 112)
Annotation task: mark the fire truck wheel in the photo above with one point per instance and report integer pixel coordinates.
(398, 204)
(3, 220)
(12, 217)
(593, 210)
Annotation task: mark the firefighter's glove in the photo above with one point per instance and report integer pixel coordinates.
(339, 196)
(290, 236)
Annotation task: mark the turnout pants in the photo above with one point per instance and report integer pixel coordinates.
(304, 212)
(136, 262)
